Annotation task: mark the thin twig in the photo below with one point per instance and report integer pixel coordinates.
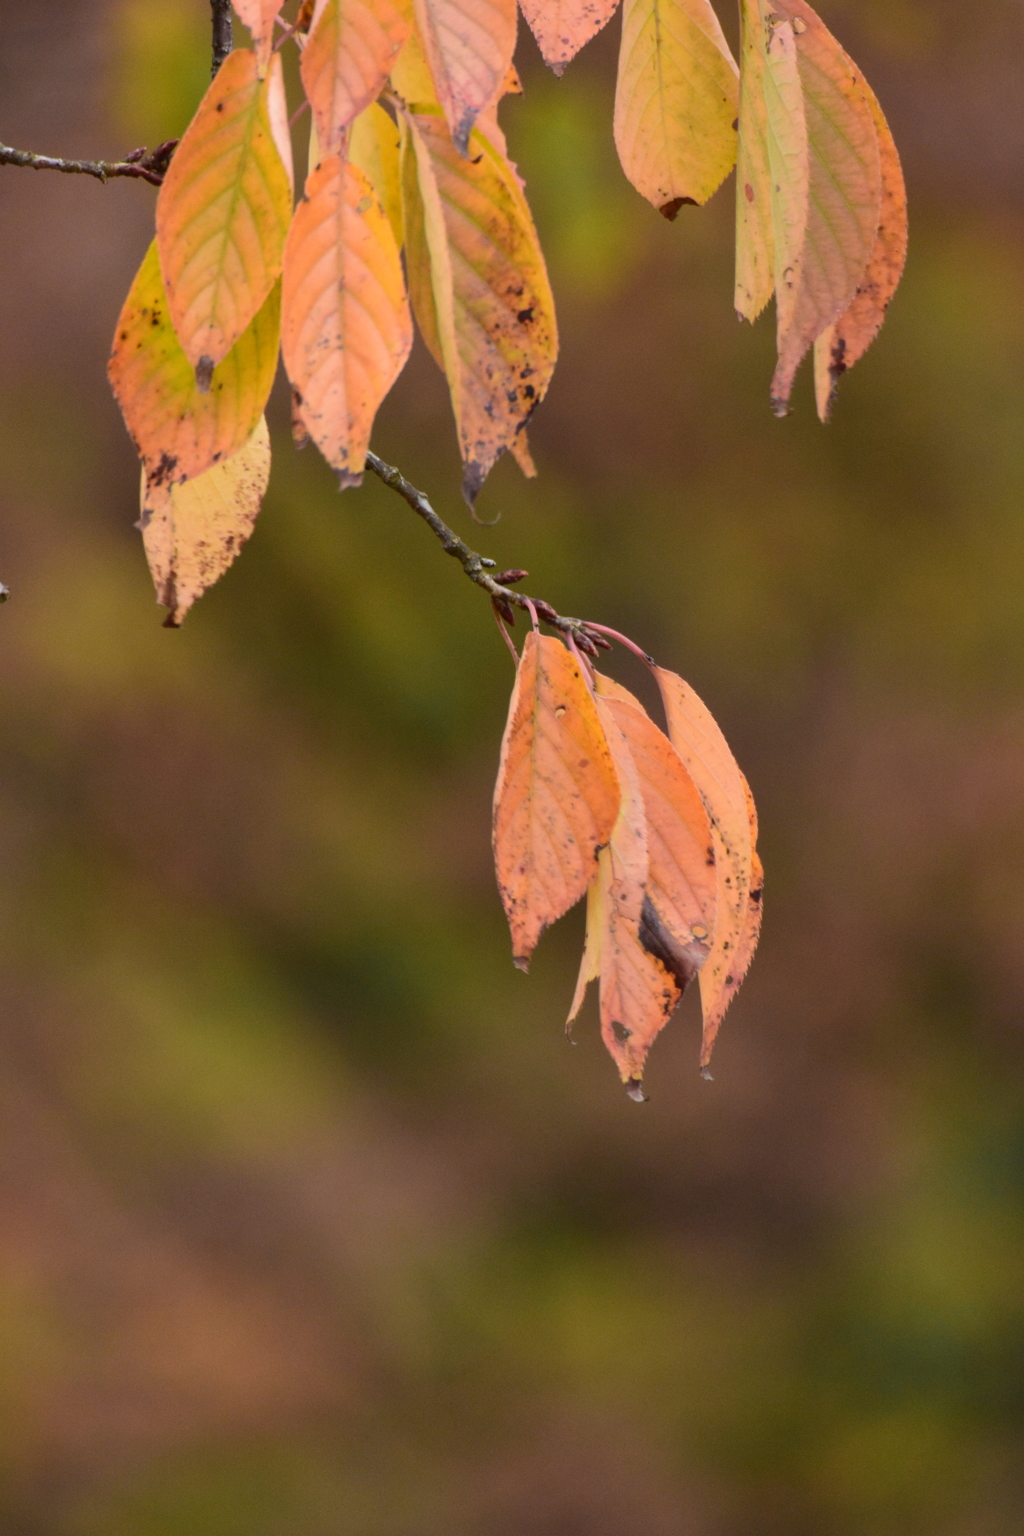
(477, 567)
(222, 39)
(145, 165)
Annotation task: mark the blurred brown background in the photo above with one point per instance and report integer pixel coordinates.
(313, 1224)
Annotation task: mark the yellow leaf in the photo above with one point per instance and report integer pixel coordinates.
(844, 189)
(788, 161)
(193, 532)
(346, 327)
(221, 215)
(755, 239)
(352, 45)
(557, 795)
(469, 45)
(733, 821)
(563, 27)
(845, 342)
(675, 102)
(373, 147)
(180, 432)
(478, 285)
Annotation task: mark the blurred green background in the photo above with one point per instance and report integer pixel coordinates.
(312, 1222)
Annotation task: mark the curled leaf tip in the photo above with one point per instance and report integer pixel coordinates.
(705, 1073)
(347, 481)
(635, 1090)
(204, 373)
(521, 962)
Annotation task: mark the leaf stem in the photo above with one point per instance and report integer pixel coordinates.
(476, 566)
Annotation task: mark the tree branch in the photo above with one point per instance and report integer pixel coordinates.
(477, 567)
(143, 164)
(222, 40)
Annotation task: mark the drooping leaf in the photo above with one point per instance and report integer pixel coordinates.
(346, 330)
(755, 238)
(844, 190)
(351, 47)
(373, 146)
(675, 102)
(706, 755)
(193, 532)
(557, 795)
(180, 432)
(563, 27)
(280, 128)
(479, 286)
(258, 16)
(845, 342)
(469, 45)
(221, 215)
(789, 171)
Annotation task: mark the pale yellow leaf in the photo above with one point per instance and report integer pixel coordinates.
(373, 147)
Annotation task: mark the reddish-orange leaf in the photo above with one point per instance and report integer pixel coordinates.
(346, 327)
(352, 45)
(563, 27)
(193, 532)
(706, 755)
(843, 194)
(222, 214)
(557, 795)
(178, 431)
(258, 16)
(845, 343)
(469, 45)
(479, 286)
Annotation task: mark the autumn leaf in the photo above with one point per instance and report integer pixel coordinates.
(706, 755)
(193, 532)
(373, 147)
(469, 46)
(563, 27)
(755, 238)
(222, 214)
(478, 285)
(557, 795)
(352, 45)
(258, 16)
(346, 327)
(180, 432)
(789, 172)
(843, 193)
(845, 342)
(675, 102)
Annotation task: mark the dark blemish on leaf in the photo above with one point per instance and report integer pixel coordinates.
(670, 209)
(124, 335)
(560, 711)
(525, 316)
(755, 896)
(621, 1033)
(164, 470)
(529, 392)
(749, 191)
(705, 1073)
(710, 860)
(220, 106)
(682, 961)
(729, 980)
(736, 125)
(204, 373)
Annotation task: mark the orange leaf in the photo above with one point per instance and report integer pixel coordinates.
(469, 45)
(193, 532)
(346, 327)
(844, 190)
(479, 286)
(845, 343)
(557, 795)
(675, 102)
(221, 215)
(563, 27)
(258, 16)
(179, 432)
(352, 45)
(706, 756)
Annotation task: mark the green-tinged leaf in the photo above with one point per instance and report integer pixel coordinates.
(346, 330)
(193, 532)
(755, 238)
(178, 431)
(675, 102)
(222, 214)
(478, 285)
(373, 147)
